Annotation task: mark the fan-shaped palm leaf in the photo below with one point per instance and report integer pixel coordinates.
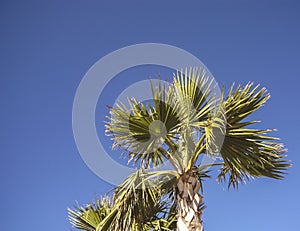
(249, 152)
(90, 216)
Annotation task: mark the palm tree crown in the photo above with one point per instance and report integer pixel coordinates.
(186, 121)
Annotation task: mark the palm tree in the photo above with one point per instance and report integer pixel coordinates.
(185, 122)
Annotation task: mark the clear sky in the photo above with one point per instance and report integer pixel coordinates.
(46, 47)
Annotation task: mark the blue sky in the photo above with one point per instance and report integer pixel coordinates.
(47, 47)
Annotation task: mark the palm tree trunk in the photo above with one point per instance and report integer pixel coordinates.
(190, 204)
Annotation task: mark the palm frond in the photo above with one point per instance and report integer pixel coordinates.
(142, 129)
(138, 200)
(90, 216)
(162, 224)
(138, 131)
(249, 152)
(165, 106)
(198, 96)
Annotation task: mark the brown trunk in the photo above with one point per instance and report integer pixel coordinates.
(190, 204)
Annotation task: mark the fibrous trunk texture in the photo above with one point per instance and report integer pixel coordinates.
(190, 204)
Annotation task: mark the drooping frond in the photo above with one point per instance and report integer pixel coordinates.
(90, 216)
(139, 200)
(249, 152)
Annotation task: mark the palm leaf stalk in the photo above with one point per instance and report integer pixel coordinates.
(186, 120)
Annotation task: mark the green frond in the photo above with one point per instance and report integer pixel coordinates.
(165, 106)
(162, 224)
(139, 131)
(138, 200)
(249, 152)
(194, 90)
(90, 216)
(243, 101)
(142, 129)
